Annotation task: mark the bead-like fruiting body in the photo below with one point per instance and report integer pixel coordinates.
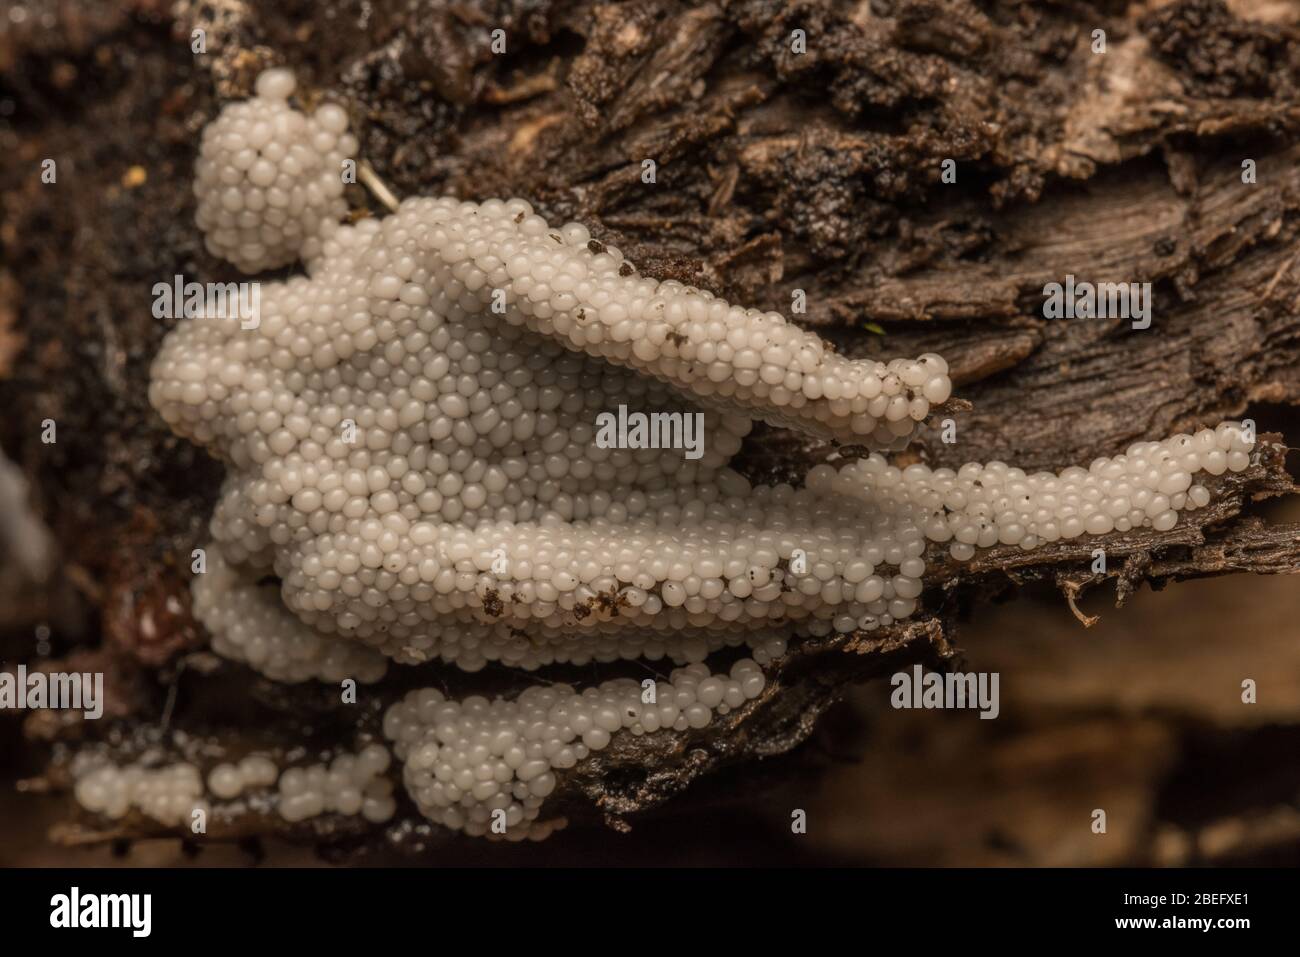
(350, 784)
(169, 794)
(473, 764)
(269, 179)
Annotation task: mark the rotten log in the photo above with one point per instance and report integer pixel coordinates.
(777, 171)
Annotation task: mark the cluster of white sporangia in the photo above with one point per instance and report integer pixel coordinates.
(228, 781)
(168, 794)
(411, 432)
(350, 784)
(277, 181)
(466, 760)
